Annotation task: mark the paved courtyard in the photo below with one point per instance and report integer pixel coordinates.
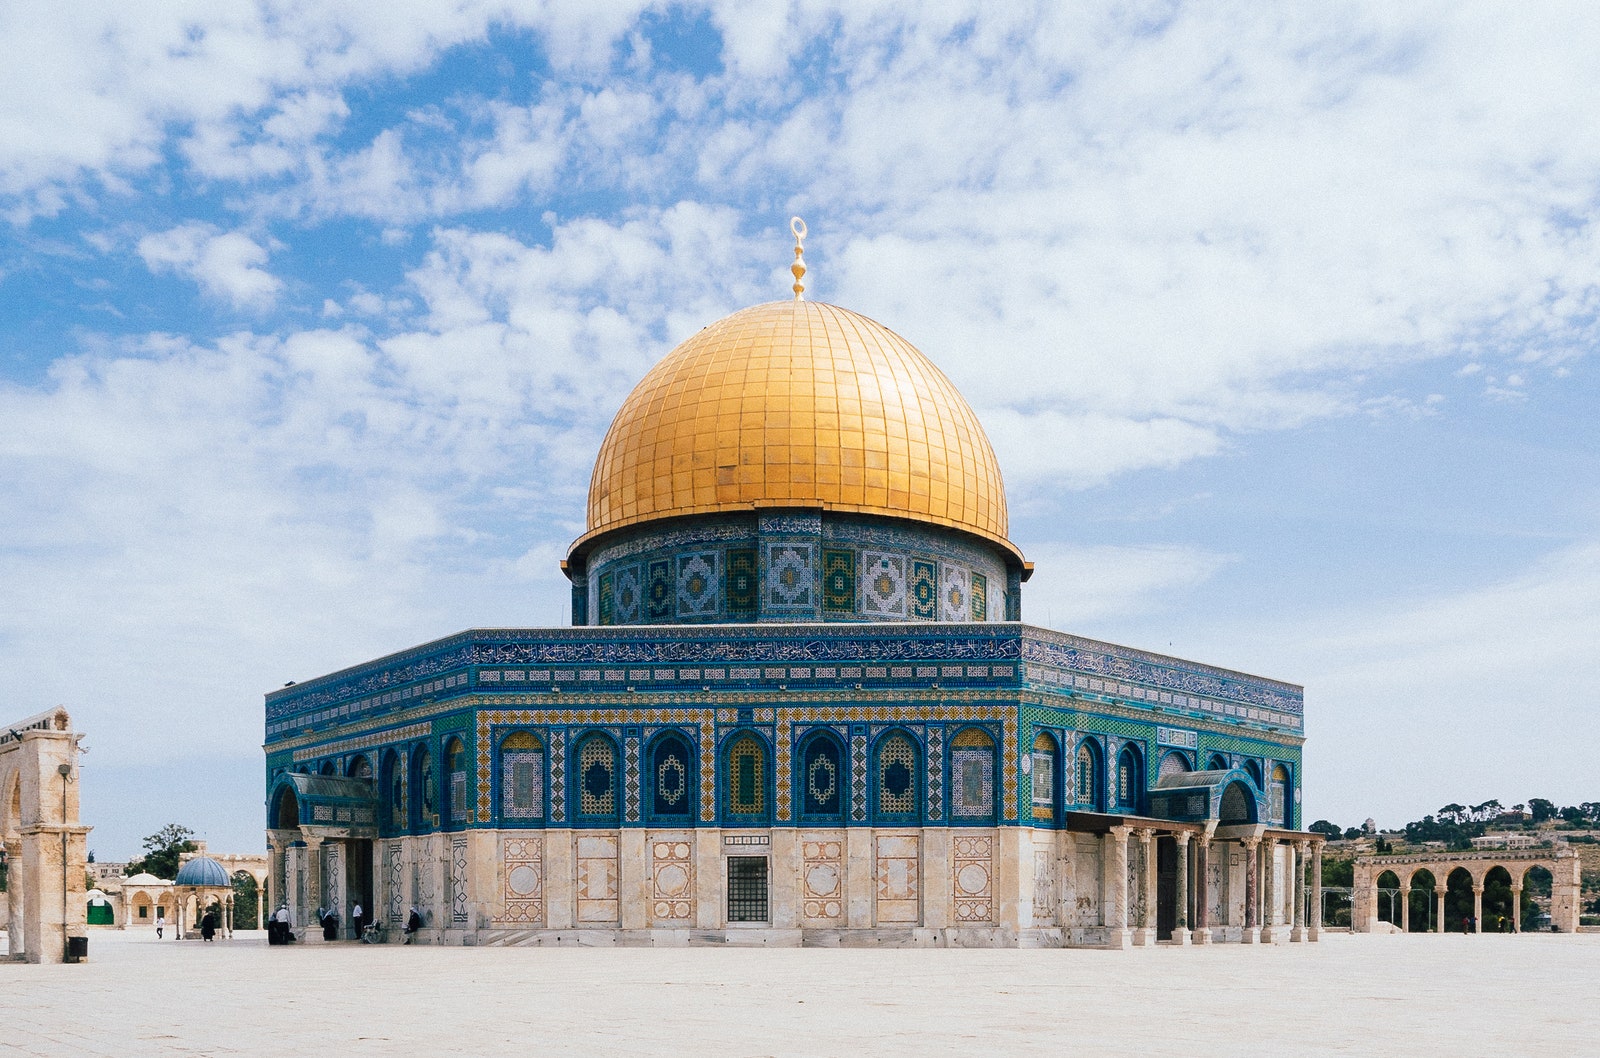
(1366, 995)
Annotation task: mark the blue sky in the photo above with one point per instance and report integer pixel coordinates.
(1282, 323)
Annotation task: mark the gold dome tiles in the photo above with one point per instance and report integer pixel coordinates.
(803, 404)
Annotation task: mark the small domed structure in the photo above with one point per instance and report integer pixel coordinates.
(203, 871)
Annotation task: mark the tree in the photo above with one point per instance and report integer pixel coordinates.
(1327, 829)
(1354, 833)
(1541, 809)
(1453, 813)
(1574, 815)
(1487, 811)
(161, 851)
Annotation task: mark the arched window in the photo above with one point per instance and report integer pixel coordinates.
(597, 777)
(746, 791)
(521, 778)
(1130, 779)
(1279, 797)
(822, 778)
(896, 779)
(671, 780)
(1090, 790)
(1174, 763)
(425, 802)
(1043, 770)
(457, 807)
(394, 791)
(1218, 763)
(1238, 804)
(359, 768)
(329, 767)
(972, 776)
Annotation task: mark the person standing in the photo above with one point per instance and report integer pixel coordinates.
(160, 922)
(355, 919)
(413, 923)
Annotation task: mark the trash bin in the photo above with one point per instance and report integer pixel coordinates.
(77, 949)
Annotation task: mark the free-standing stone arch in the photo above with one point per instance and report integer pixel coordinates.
(44, 843)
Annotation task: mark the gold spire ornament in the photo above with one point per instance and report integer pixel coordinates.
(798, 226)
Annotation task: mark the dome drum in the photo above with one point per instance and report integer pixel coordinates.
(791, 565)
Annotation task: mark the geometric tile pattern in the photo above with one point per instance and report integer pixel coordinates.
(898, 885)
(658, 590)
(558, 769)
(523, 860)
(608, 599)
(971, 783)
(980, 597)
(839, 582)
(699, 584)
(858, 778)
(935, 744)
(597, 880)
(627, 596)
(743, 592)
(922, 591)
(822, 881)
(897, 776)
(671, 879)
(791, 572)
(630, 778)
(458, 881)
(972, 877)
(954, 594)
(883, 584)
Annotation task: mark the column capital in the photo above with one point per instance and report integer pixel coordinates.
(1250, 842)
(1146, 833)
(1182, 838)
(1477, 889)
(1120, 832)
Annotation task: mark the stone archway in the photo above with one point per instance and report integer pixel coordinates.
(1492, 887)
(45, 847)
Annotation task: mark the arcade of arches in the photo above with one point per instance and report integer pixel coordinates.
(1429, 893)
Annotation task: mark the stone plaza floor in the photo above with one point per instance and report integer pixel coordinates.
(1532, 994)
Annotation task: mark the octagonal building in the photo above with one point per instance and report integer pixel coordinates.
(797, 705)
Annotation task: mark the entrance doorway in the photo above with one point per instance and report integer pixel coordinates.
(1166, 887)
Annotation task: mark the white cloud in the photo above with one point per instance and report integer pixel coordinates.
(1075, 586)
(227, 265)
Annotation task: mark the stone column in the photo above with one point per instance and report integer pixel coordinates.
(1477, 909)
(1405, 908)
(1315, 932)
(314, 893)
(1439, 892)
(1270, 933)
(1180, 928)
(1516, 908)
(1145, 935)
(1252, 890)
(1202, 889)
(1114, 887)
(15, 908)
(1297, 854)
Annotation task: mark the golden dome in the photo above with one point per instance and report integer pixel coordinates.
(797, 404)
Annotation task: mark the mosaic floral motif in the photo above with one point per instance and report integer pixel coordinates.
(897, 776)
(743, 590)
(980, 597)
(608, 599)
(924, 604)
(747, 778)
(789, 575)
(823, 777)
(954, 594)
(658, 590)
(596, 778)
(839, 582)
(672, 788)
(699, 584)
(627, 596)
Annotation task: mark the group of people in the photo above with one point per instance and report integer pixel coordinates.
(210, 924)
(279, 932)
